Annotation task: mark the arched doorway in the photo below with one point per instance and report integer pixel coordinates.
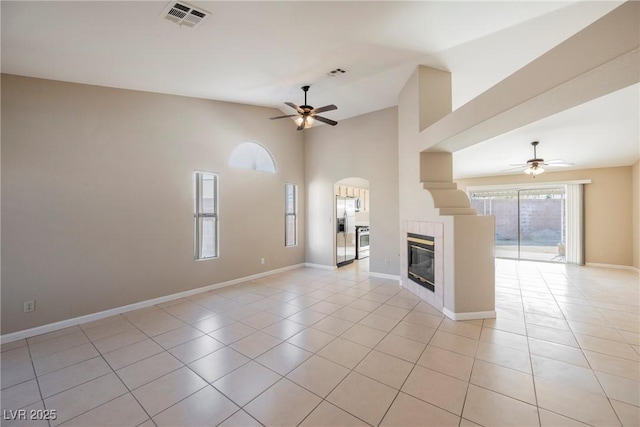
(352, 208)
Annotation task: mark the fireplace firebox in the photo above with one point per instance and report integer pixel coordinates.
(420, 253)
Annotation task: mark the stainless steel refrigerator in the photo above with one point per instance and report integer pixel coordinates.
(345, 230)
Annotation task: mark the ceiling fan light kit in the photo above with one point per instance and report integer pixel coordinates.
(307, 115)
(534, 170)
(305, 122)
(534, 166)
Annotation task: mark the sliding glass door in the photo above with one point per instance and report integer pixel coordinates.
(542, 224)
(529, 223)
(504, 206)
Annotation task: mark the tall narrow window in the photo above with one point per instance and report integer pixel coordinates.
(205, 215)
(291, 215)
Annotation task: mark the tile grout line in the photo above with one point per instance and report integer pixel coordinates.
(251, 359)
(579, 347)
(129, 391)
(184, 365)
(589, 363)
(473, 363)
(533, 379)
(37, 381)
(309, 290)
(86, 382)
(410, 372)
(351, 370)
(322, 399)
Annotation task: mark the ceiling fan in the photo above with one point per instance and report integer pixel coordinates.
(306, 114)
(535, 166)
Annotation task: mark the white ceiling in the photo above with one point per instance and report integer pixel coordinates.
(262, 52)
(602, 133)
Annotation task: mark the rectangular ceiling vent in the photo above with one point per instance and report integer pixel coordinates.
(183, 13)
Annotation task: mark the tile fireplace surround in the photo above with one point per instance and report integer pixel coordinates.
(464, 266)
(435, 230)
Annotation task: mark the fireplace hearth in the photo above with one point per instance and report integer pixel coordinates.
(420, 260)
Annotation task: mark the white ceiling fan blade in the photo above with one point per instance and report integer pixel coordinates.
(557, 162)
(559, 165)
(518, 167)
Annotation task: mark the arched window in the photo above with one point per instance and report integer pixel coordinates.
(251, 155)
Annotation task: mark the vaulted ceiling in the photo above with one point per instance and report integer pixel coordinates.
(262, 52)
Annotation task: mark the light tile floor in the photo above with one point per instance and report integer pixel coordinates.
(339, 348)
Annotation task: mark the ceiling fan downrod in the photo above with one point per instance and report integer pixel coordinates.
(535, 154)
(305, 89)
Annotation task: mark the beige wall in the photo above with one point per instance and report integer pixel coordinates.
(366, 147)
(635, 184)
(97, 196)
(608, 209)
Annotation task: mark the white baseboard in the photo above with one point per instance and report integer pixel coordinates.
(471, 315)
(615, 266)
(38, 330)
(384, 276)
(320, 266)
(333, 267)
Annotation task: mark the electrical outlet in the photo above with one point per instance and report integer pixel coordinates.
(29, 306)
(262, 261)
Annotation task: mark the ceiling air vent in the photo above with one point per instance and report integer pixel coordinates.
(183, 13)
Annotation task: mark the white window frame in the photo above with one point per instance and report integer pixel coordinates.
(574, 207)
(254, 156)
(199, 215)
(288, 214)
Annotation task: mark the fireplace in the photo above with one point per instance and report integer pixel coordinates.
(420, 260)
